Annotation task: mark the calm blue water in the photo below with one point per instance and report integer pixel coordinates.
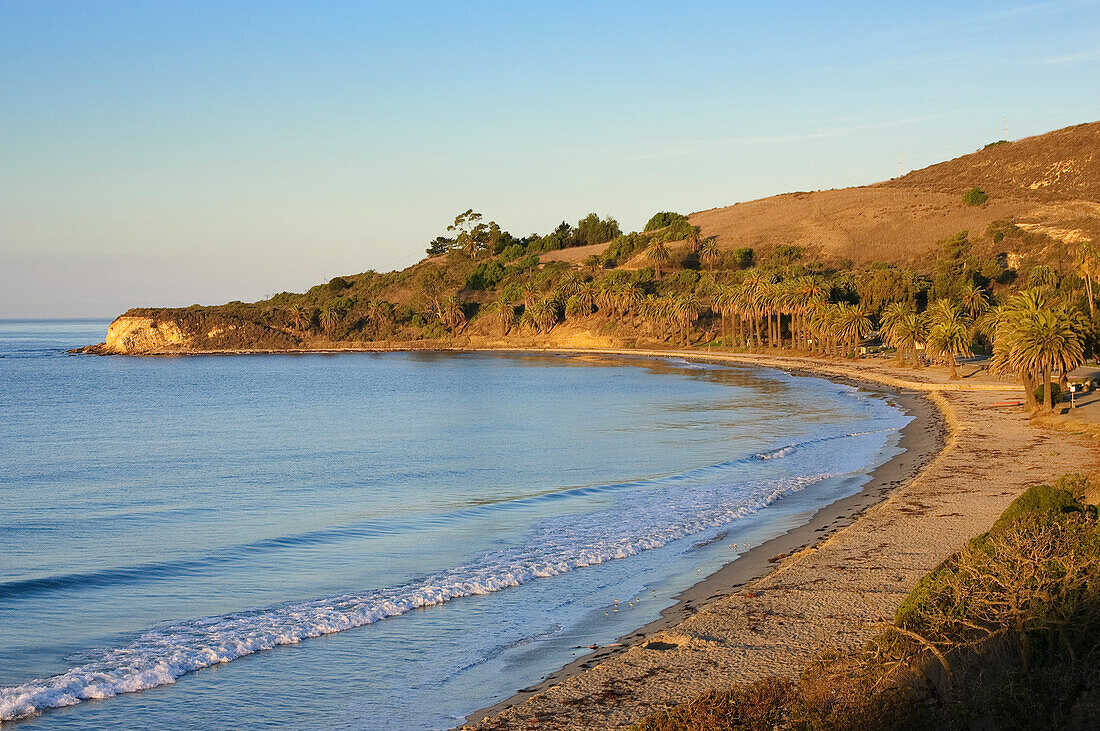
(372, 540)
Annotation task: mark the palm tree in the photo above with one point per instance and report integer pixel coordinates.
(891, 318)
(852, 324)
(329, 317)
(974, 300)
(1042, 277)
(649, 312)
(685, 309)
(808, 293)
(297, 316)
(605, 295)
(912, 333)
(657, 313)
(752, 300)
(506, 315)
(709, 253)
(543, 314)
(1033, 339)
(824, 324)
(587, 294)
(451, 313)
(724, 301)
(379, 313)
(948, 336)
(1088, 266)
(570, 282)
(769, 297)
(658, 254)
(694, 240)
(627, 297)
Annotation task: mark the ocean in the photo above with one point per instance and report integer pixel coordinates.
(374, 540)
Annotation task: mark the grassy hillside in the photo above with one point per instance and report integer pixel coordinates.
(1048, 185)
(935, 261)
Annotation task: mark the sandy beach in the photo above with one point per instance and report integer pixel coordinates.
(828, 583)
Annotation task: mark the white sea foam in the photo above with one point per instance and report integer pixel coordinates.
(642, 519)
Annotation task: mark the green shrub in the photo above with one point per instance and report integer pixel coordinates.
(1055, 394)
(685, 280)
(511, 253)
(744, 257)
(975, 197)
(623, 247)
(664, 218)
(485, 275)
(1041, 501)
(340, 304)
(593, 230)
(434, 330)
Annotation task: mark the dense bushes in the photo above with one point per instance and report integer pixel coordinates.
(486, 275)
(664, 218)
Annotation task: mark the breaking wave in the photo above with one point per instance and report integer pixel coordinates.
(645, 515)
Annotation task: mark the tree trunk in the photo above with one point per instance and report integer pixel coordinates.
(1088, 292)
(954, 367)
(1048, 401)
(1029, 390)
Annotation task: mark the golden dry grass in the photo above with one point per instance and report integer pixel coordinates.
(1050, 184)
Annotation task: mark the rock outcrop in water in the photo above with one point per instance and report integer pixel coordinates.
(187, 331)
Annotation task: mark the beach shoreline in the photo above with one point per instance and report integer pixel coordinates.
(761, 619)
(921, 441)
(755, 618)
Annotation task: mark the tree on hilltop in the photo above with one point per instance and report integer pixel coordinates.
(471, 234)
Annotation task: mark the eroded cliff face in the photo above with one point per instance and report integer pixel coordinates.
(147, 332)
(143, 334)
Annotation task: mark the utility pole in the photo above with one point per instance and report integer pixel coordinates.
(899, 163)
(1006, 128)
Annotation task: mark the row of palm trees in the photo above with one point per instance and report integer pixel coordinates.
(1034, 334)
(378, 313)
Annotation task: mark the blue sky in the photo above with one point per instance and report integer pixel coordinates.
(179, 152)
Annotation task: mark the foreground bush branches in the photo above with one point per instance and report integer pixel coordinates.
(1004, 634)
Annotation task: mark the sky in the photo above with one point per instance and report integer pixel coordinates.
(177, 152)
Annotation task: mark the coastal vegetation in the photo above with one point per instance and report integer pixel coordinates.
(1020, 292)
(1003, 634)
(668, 284)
